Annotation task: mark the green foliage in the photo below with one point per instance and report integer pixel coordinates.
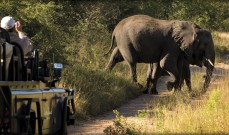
(77, 34)
(97, 91)
(143, 114)
(118, 128)
(40, 22)
(214, 100)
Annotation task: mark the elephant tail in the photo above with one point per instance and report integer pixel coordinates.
(112, 44)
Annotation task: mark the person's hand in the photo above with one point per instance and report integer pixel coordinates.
(18, 26)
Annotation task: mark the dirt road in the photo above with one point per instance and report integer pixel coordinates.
(129, 110)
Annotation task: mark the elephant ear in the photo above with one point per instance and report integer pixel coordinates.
(184, 34)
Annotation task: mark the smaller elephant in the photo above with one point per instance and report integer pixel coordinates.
(154, 72)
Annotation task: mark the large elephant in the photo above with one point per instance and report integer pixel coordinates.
(154, 72)
(143, 39)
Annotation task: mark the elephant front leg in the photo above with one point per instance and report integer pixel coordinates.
(153, 87)
(153, 74)
(181, 73)
(148, 78)
(187, 76)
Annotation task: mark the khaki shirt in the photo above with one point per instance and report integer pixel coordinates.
(22, 40)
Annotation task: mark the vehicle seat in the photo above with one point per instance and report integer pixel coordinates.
(18, 64)
(5, 58)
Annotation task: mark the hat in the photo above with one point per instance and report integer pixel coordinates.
(7, 22)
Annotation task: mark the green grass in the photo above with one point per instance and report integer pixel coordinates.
(98, 91)
(221, 46)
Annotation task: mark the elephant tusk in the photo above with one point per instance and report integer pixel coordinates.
(209, 61)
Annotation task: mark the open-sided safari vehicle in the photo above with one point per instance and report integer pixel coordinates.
(30, 102)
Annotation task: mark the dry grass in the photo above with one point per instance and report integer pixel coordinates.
(180, 113)
(221, 46)
(211, 117)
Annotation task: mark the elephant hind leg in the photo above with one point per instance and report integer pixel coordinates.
(134, 74)
(133, 71)
(165, 64)
(174, 83)
(115, 58)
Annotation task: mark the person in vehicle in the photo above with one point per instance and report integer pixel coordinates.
(14, 29)
(16, 34)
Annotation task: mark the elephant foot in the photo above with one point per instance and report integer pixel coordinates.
(150, 90)
(170, 86)
(147, 91)
(177, 88)
(153, 92)
(189, 89)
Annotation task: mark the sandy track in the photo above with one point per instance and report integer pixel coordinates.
(129, 110)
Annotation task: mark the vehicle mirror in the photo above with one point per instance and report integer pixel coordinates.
(57, 68)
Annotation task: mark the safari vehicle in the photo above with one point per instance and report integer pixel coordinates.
(30, 102)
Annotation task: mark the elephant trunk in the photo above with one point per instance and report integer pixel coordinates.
(209, 61)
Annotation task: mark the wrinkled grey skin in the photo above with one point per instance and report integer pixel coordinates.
(154, 72)
(143, 39)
